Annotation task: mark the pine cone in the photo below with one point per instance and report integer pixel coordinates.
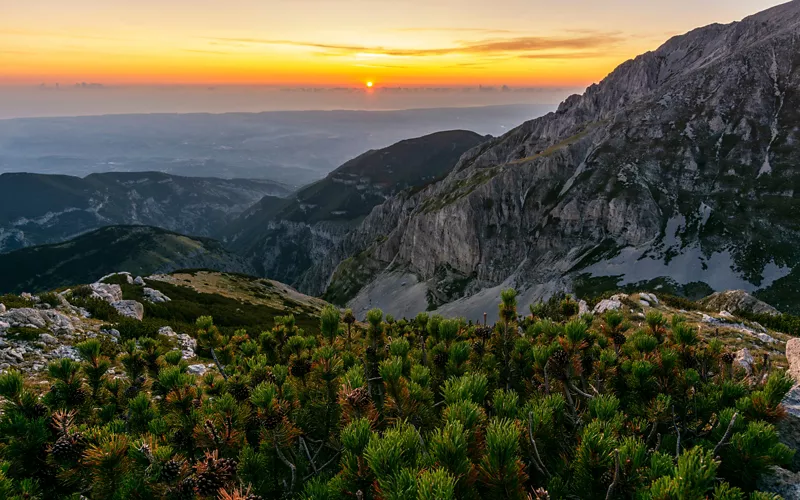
(440, 359)
(239, 391)
(270, 377)
(728, 358)
(68, 446)
(185, 490)
(274, 419)
(607, 477)
(483, 332)
(358, 398)
(370, 351)
(300, 367)
(78, 396)
(478, 347)
(131, 391)
(38, 410)
(207, 483)
(618, 339)
(559, 359)
(253, 496)
(170, 470)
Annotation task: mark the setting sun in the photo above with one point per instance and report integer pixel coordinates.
(369, 85)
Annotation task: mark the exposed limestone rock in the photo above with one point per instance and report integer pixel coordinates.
(783, 482)
(104, 291)
(155, 296)
(198, 369)
(55, 321)
(48, 339)
(129, 308)
(737, 301)
(745, 360)
(2, 308)
(611, 304)
(793, 357)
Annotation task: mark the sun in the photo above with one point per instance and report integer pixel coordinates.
(369, 85)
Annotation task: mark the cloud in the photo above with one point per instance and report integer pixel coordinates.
(526, 46)
(454, 30)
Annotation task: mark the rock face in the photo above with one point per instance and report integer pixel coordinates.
(129, 308)
(789, 428)
(297, 241)
(737, 301)
(676, 169)
(44, 209)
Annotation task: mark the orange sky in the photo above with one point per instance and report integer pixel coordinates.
(339, 42)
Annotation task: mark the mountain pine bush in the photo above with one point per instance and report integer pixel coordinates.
(554, 405)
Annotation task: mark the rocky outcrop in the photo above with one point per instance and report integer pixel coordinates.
(675, 169)
(50, 319)
(737, 301)
(782, 482)
(789, 428)
(154, 296)
(299, 241)
(107, 292)
(129, 309)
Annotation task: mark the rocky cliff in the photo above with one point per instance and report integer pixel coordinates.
(679, 168)
(298, 240)
(39, 209)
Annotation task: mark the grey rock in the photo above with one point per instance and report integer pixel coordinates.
(138, 281)
(48, 339)
(789, 427)
(167, 330)
(104, 291)
(793, 357)
(64, 351)
(745, 360)
(781, 481)
(129, 308)
(198, 369)
(2, 308)
(4, 366)
(607, 305)
(155, 296)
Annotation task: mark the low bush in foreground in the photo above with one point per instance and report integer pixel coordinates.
(431, 408)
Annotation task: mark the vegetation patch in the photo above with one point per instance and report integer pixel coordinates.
(351, 276)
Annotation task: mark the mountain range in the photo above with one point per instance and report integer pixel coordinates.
(676, 173)
(39, 208)
(140, 250)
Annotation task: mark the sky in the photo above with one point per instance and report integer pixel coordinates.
(339, 42)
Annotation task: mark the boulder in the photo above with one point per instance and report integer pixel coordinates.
(783, 482)
(583, 307)
(604, 305)
(129, 308)
(793, 357)
(25, 316)
(198, 369)
(64, 351)
(2, 308)
(48, 339)
(126, 274)
(155, 296)
(745, 360)
(104, 291)
(138, 281)
(649, 297)
(167, 330)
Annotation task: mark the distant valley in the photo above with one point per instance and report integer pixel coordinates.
(39, 209)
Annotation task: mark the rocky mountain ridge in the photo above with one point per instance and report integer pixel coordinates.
(40, 208)
(295, 240)
(678, 169)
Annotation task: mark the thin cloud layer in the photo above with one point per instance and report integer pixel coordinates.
(585, 45)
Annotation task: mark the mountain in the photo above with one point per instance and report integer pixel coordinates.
(141, 250)
(40, 208)
(678, 172)
(287, 238)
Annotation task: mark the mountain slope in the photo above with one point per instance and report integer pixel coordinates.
(140, 250)
(679, 168)
(40, 208)
(291, 239)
